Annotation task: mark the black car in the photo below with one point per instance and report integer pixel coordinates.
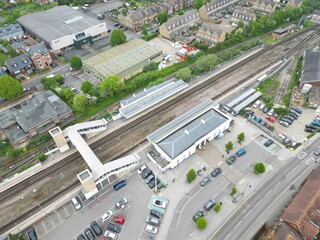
(265, 110)
(231, 160)
(289, 117)
(109, 30)
(114, 227)
(152, 183)
(89, 234)
(293, 115)
(81, 237)
(210, 204)
(204, 181)
(263, 123)
(96, 228)
(311, 126)
(116, 25)
(310, 130)
(155, 213)
(125, 29)
(286, 120)
(146, 173)
(268, 143)
(32, 234)
(216, 172)
(298, 110)
(197, 215)
(275, 115)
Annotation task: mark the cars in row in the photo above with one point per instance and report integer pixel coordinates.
(149, 178)
(233, 158)
(213, 174)
(91, 232)
(314, 126)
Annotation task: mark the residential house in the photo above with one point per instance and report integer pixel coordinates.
(11, 31)
(210, 34)
(211, 9)
(165, 7)
(294, 3)
(315, 16)
(242, 14)
(39, 55)
(178, 24)
(41, 2)
(18, 46)
(177, 4)
(135, 19)
(265, 6)
(188, 3)
(20, 66)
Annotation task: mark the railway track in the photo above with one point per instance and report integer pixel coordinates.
(10, 192)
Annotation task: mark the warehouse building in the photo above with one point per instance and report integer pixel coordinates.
(311, 67)
(179, 139)
(124, 60)
(63, 27)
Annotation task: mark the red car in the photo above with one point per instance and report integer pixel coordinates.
(118, 219)
(271, 119)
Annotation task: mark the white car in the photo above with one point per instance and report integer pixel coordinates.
(122, 202)
(270, 112)
(159, 203)
(256, 104)
(106, 216)
(262, 106)
(110, 235)
(140, 170)
(151, 229)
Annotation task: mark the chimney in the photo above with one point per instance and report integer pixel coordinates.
(186, 131)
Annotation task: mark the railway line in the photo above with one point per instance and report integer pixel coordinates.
(12, 191)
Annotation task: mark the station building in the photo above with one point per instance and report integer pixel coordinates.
(63, 27)
(176, 141)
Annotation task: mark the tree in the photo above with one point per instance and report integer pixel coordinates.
(201, 223)
(86, 87)
(75, 62)
(112, 86)
(162, 17)
(217, 207)
(10, 87)
(259, 168)
(183, 73)
(67, 94)
(205, 62)
(233, 191)
(191, 175)
(241, 137)
(41, 157)
(198, 4)
(117, 37)
(16, 237)
(79, 103)
(151, 67)
(144, 31)
(229, 146)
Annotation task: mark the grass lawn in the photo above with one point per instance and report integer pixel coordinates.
(5, 146)
(268, 40)
(3, 58)
(269, 87)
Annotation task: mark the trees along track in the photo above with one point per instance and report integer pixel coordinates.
(10, 192)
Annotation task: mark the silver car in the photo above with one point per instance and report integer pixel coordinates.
(317, 152)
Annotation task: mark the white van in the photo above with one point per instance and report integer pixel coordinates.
(256, 104)
(76, 203)
(50, 76)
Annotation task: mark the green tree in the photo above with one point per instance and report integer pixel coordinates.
(162, 17)
(75, 62)
(16, 237)
(144, 31)
(229, 146)
(259, 168)
(191, 175)
(198, 4)
(151, 67)
(15, 153)
(86, 87)
(233, 191)
(217, 207)
(41, 157)
(95, 91)
(79, 103)
(241, 137)
(205, 62)
(10, 87)
(117, 37)
(112, 86)
(201, 223)
(66, 94)
(184, 74)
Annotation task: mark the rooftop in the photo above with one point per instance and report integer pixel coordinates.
(116, 60)
(311, 72)
(142, 13)
(57, 22)
(19, 62)
(10, 31)
(284, 30)
(37, 48)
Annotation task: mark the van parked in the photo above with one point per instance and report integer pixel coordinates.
(256, 104)
(120, 185)
(241, 152)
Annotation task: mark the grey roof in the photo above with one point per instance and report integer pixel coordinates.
(17, 45)
(210, 30)
(19, 62)
(57, 22)
(142, 13)
(243, 13)
(178, 135)
(267, 2)
(311, 72)
(37, 48)
(284, 30)
(150, 96)
(34, 112)
(10, 31)
(241, 98)
(186, 17)
(211, 6)
(247, 101)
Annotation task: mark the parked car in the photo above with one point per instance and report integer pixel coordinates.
(122, 202)
(311, 126)
(106, 216)
(216, 172)
(293, 144)
(151, 229)
(267, 126)
(120, 185)
(270, 112)
(204, 181)
(256, 104)
(289, 117)
(32, 235)
(262, 106)
(146, 173)
(268, 143)
(241, 152)
(231, 160)
(200, 172)
(210, 204)
(284, 123)
(149, 178)
(118, 219)
(271, 119)
(259, 120)
(315, 123)
(156, 213)
(197, 215)
(116, 25)
(265, 110)
(317, 152)
(153, 221)
(293, 115)
(114, 227)
(287, 142)
(80, 237)
(294, 112)
(298, 110)
(96, 228)
(89, 234)
(282, 136)
(110, 235)
(140, 170)
(275, 115)
(310, 130)
(153, 183)
(287, 120)
(158, 203)
(263, 123)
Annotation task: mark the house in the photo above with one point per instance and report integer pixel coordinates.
(20, 66)
(34, 116)
(294, 3)
(176, 25)
(11, 31)
(210, 34)
(315, 16)
(282, 32)
(135, 19)
(242, 14)
(165, 7)
(177, 4)
(265, 6)
(18, 46)
(213, 8)
(39, 55)
(41, 2)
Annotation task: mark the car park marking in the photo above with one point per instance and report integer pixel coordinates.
(310, 161)
(302, 155)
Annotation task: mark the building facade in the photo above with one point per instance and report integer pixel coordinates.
(211, 9)
(11, 31)
(242, 14)
(282, 32)
(39, 55)
(210, 35)
(20, 66)
(265, 6)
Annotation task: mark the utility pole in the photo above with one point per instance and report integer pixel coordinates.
(248, 185)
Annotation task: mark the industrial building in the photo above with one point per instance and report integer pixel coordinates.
(63, 27)
(124, 60)
(311, 68)
(176, 141)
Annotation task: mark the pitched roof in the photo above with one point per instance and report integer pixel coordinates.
(142, 13)
(10, 31)
(210, 30)
(267, 2)
(37, 48)
(185, 17)
(19, 62)
(214, 4)
(311, 72)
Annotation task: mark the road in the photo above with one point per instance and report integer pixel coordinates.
(244, 224)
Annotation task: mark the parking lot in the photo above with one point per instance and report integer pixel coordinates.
(165, 46)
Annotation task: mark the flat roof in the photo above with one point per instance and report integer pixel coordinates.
(311, 72)
(57, 22)
(246, 102)
(150, 96)
(178, 135)
(242, 97)
(116, 60)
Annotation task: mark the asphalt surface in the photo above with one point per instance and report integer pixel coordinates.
(244, 224)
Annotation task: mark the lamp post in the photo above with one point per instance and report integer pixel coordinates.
(248, 185)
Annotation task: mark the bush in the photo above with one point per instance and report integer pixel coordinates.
(201, 223)
(191, 175)
(15, 153)
(39, 140)
(44, 70)
(150, 36)
(259, 168)
(184, 74)
(151, 67)
(41, 157)
(217, 207)
(233, 191)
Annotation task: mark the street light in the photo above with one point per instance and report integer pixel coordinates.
(248, 185)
